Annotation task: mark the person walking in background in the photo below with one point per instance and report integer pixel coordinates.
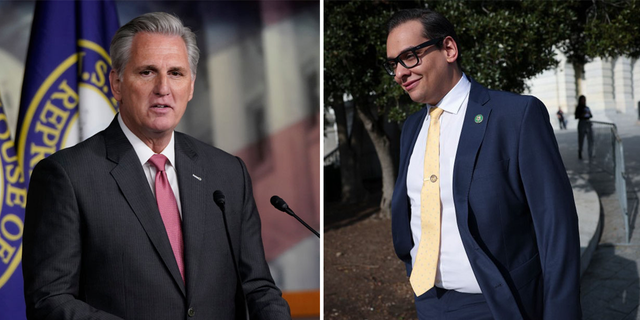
(482, 212)
(583, 114)
(561, 119)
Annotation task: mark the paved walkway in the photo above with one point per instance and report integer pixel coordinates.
(610, 287)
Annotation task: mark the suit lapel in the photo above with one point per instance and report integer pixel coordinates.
(475, 124)
(500, 298)
(194, 197)
(132, 181)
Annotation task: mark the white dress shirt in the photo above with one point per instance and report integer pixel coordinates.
(454, 270)
(144, 153)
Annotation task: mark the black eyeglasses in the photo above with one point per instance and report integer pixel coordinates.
(407, 58)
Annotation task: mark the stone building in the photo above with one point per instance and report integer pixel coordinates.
(610, 85)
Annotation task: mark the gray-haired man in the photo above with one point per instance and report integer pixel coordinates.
(124, 225)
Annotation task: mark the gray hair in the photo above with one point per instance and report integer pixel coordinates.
(154, 22)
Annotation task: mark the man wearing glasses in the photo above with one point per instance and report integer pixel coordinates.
(483, 211)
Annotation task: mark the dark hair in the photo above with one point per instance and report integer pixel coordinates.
(582, 101)
(434, 25)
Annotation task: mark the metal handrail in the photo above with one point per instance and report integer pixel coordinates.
(609, 124)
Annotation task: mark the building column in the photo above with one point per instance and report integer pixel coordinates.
(598, 85)
(636, 85)
(567, 90)
(556, 88)
(623, 85)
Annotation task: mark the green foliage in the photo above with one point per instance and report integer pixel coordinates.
(575, 45)
(613, 29)
(354, 44)
(608, 28)
(502, 43)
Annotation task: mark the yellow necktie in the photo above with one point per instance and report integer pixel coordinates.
(424, 270)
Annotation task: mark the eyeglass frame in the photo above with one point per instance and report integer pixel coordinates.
(385, 64)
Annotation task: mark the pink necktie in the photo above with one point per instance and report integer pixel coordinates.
(168, 209)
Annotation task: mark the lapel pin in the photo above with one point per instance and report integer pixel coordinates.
(479, 118)
(199, 179)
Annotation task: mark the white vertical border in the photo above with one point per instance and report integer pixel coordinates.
(321, 119)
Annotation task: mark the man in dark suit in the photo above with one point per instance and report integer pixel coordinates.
(482, 212)
(124, 225)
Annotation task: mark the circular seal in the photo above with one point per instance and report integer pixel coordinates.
(73, 103)
(433, 178)
(479, 118)
(13, 196)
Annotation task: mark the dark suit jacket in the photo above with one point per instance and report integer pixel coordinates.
(514, 206)
(95, 246)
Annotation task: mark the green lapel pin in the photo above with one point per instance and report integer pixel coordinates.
(479, 118)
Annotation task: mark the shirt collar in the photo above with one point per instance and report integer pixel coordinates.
(453, 100)
(142, 150)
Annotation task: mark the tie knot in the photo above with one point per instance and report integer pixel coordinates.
(435, 113)
(159, 161)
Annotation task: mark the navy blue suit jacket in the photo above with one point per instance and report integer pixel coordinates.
(514, 206)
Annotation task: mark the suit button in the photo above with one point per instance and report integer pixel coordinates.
(191, 312)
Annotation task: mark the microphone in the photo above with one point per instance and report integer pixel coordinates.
(279, 204)
(218, 198)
